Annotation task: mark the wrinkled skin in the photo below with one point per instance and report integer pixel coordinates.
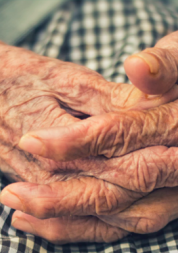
(107, 193)
(32, 91)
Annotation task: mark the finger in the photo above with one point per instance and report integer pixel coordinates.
(154, 70)
(68, 229)
(143, 170)
(109, 134)
(136, 174)
(84, 196)
(149, 214)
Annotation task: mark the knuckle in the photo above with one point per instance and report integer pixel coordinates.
(129, 130)
(44, 207)
(56, 238)
(110, 135)
(151, 223)
(106, 202)
(169, 172)
(98, 198)
(97, 135)
(146, 174)
(106, 233)
(45, 211)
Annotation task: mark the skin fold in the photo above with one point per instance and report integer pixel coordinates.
(71, 185)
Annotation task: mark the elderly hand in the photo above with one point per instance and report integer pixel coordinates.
(154, 71)
(38, 92)
(108, 202)
(149, 214)
(104, 196)
(90, 209)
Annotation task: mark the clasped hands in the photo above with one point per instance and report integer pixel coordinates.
(98, 159)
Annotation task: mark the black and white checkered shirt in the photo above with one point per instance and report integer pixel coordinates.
(99, 34)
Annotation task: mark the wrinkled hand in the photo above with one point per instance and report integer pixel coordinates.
(147, 215)
(89, 209)
(114, 134)
(120, 205)
(38, 92)
(108, 202)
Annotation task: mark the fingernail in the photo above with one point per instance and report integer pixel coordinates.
(151, 60)
(22, 224)
(11, 200)
(148, 96)
(31, 144)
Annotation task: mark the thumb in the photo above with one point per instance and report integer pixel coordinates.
(155, 70)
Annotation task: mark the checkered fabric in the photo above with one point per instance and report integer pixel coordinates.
(99, 34)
